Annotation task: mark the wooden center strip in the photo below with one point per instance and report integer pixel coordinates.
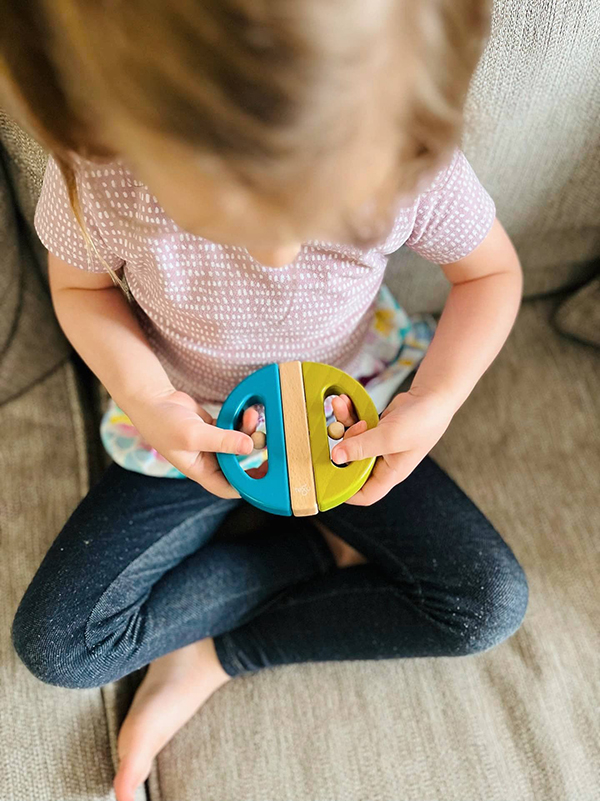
(303, 494)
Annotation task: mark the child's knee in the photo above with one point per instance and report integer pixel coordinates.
(50, 649)
(498, 601)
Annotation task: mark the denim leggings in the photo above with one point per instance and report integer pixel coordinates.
(140, 569)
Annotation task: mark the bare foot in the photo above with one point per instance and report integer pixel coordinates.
(174, 688)
(345, 555)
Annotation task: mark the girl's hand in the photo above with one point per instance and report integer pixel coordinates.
(185, 434)
(407, 430)
(249, 423)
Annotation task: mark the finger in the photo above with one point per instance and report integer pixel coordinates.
(206, 416)
(206, 472)
(385, 413)
(249, 420)
(343, 408)
(208, 438)
(357, 428)
(376, 441)
(354, 430)
(383, 478)
(379, 483)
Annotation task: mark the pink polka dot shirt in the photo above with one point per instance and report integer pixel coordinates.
(211, 313)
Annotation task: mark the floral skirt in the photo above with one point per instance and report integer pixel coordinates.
(394, 346)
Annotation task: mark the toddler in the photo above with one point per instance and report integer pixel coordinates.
(227, 180)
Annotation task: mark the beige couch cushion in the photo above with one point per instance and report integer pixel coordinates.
(518, 722)
(31, 343)
(533, 138)
(579, 315)
(54, 743)
(26, 165)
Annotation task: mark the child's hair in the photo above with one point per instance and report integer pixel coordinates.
(285, 96)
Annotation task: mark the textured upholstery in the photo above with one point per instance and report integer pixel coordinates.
(519, 722)
(534, 139)
(579, 315)
(54, 743)
(31, 342)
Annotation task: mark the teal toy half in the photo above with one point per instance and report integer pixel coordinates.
(270, 493)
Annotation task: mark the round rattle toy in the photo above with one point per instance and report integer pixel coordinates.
(301, 478)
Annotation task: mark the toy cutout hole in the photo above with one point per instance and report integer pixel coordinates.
(329, 419)
(252, 419)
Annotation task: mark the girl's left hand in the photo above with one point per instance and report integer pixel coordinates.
(408, 429)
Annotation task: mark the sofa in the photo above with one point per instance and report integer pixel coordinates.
(519, 722)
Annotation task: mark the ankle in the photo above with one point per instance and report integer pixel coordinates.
(345, 555)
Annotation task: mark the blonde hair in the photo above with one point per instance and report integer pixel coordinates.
(273, 91)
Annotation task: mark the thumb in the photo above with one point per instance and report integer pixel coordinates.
(206, 416)
(363, 446)
(206, 472)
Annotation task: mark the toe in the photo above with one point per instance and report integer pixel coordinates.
(174, 688)
(132, 772)
(136, 751)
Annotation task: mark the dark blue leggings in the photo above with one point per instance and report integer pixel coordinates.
(140, 569)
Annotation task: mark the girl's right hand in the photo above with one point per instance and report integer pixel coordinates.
(186, 435)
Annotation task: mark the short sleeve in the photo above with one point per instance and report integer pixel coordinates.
(453, 216)
(59, 231)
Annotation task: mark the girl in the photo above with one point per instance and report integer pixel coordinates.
(228, 179)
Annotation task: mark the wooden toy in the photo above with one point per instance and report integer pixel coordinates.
(301, 478)
(336, 430)
(259, 440)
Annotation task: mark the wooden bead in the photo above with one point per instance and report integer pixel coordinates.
(336, 430)
(259, 439)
